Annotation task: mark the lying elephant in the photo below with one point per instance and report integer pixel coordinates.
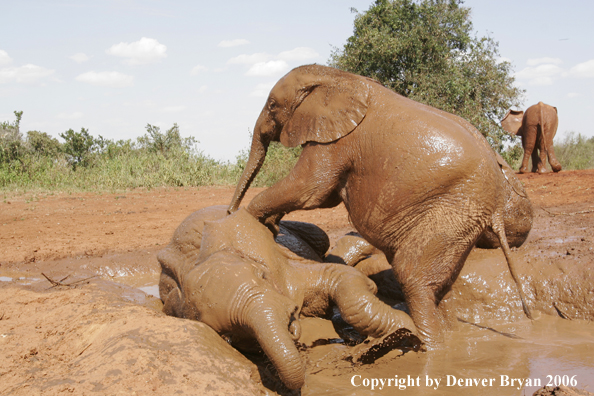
(228, 272)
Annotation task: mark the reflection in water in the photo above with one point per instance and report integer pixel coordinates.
(152, 290)
(473, 361)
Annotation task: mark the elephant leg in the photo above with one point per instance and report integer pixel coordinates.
(311, 184)
(427, 263)
(535, 160)
(555, 164)
(528, 143)
(541, 167)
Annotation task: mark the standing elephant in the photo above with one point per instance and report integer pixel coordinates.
(228, 272)
(537, 127)
(418, 183)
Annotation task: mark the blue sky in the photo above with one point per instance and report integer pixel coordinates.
(114, 66)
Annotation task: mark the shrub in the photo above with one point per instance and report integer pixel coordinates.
(575, 152)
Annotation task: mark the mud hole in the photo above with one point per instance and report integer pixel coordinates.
(106, 334)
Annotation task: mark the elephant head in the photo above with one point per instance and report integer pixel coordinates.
(517, 213)
(242, 296)
(512, 122)
(228, 272)
(307, 105)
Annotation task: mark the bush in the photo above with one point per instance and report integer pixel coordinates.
(575, 152)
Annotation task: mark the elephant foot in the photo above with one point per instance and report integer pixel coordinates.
(556, 167)
(524, 170)
(372, 349)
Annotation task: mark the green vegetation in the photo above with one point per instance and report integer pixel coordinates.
(156, 159)
(575, 152)
(424, 50)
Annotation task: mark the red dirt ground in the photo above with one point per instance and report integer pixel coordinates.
(88, 340)
(40, 227)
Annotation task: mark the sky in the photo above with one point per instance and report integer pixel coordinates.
(114, 66)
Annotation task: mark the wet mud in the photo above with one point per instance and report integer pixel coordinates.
(100, 328)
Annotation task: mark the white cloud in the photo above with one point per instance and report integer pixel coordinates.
(24, 74)
(298, 54)
(145, 50)
(245, 59)
(80, 57)
(203, 89)
(173, 109)
(543, 74)
(263, 64)
(267, 68)
(70, 116)
(583, 70)
(4, 58)
(573, 95)
(540, 61)
(262, 90)
(107, 79)
(233, 43)
(198, 69)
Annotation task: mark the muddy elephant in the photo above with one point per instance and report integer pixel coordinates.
(537, 127)
(420, 184)
(228, 272)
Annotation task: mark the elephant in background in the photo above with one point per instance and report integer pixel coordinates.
(537, 127)
(228, 272)
(420, 184)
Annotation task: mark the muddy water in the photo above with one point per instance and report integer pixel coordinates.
(473, 360)
(546, 350)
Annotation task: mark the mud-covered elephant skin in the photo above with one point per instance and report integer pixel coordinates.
(420, 184)
(537, 127)
(228, 272)
(518, 213)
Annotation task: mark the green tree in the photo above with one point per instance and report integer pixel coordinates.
(43, 144)
(156, 141)
(78, 147)
(425, 50)
(11, 140)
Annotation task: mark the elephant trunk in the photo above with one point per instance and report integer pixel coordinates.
(354, 294)
(276, 329)
(256, 159)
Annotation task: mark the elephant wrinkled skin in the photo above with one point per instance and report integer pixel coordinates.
(228, 272)
(537, 127)
(420, 184)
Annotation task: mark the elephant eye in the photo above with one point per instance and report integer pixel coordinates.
(260, 273)
(272, 105)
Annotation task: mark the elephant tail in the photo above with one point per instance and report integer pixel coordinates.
(499, 230)
(546, 124)
(541, 126)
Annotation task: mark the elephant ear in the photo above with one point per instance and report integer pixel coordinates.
(331, 110)
(512, 122)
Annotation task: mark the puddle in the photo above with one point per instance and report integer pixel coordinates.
(152, 290)
(473, 361)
